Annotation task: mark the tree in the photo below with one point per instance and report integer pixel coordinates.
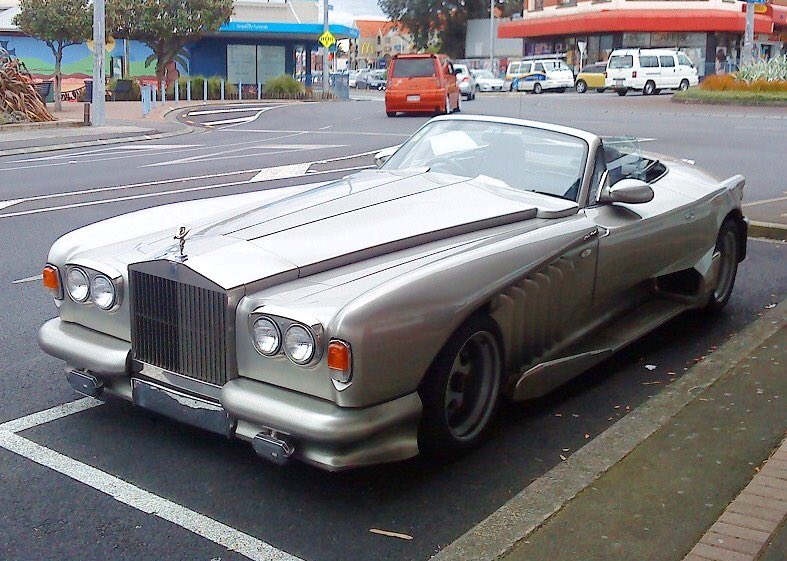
(166, 26)
(59, 24)
(445, 18)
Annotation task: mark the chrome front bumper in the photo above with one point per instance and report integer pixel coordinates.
(319, 431)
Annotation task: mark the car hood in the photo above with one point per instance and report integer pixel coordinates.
(363, 216)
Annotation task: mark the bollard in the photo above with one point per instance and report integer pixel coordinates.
(240, 91)
(177, 91)
(86, 115)
(205, 89)
(259, 91)
(188, 90)
(153, 96)
(163, 92)
(222, 89)
(144, 97)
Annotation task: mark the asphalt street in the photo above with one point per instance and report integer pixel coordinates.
(299, 510)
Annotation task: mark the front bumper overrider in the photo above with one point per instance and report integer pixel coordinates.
(316, 430)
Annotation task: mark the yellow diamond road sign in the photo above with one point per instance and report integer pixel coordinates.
(327, 39)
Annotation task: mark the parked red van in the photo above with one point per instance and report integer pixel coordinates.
(424, 83)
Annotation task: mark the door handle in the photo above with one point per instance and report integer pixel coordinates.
(689, 216)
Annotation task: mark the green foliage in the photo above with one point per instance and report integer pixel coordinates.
(773, 70)
(284, 85)
(133, 95)
(67, 23)
(166, 26)
(446, 19)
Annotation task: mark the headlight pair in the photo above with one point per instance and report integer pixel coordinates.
(99, 289)
(298, 341)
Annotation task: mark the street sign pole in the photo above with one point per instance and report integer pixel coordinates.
(748, 39)
(325, 74)
(99, 88)
(492, 37)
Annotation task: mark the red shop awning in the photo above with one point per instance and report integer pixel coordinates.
(611, 21)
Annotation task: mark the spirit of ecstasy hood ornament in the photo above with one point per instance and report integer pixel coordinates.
(181, 237)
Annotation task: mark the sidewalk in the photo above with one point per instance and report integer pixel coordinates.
(125, 123)
(670, 498)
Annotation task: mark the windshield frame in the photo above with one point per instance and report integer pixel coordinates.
(589, 142)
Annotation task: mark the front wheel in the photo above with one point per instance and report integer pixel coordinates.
(458, 104)
(391, 113)
(728, 249)
(461, 391)
(581, 86)
(684, 85)
(649, 88)
(537, 89)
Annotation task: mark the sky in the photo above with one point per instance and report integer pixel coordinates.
(345, 11)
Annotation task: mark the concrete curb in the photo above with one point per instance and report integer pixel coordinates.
(768, 230)
(64, 124)
(101, 142)
(511, 524)
(740, 103)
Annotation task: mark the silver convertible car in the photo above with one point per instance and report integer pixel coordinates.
(386, 314)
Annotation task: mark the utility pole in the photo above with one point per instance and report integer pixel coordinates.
(492, 37)
(748, 38)
(325, 74)
(99, 88)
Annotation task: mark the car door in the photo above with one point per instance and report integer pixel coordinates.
(686, 70)
(669, 71)
(636, 241)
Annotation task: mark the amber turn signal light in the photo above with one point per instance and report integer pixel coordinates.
(51, 279)
(340, 361)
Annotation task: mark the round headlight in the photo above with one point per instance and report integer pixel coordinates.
(266, 336)
(102, 291)
(299, 344)
(78, 285)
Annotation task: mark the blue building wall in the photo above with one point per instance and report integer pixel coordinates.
(209, 55)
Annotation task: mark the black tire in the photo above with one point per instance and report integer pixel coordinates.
(601, 90)
(728, 245)
(581, 86)
(537, 89)
(453, 421)
(649, 88)
(622, 92)
(561, 90)
(684, 85)
(391, 113)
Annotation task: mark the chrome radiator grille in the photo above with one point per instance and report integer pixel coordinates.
(179, 327)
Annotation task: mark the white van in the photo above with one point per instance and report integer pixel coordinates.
(539, 75)
(649, 71)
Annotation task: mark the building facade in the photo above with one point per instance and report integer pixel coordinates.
(263, 39)
(377, 41)
(710, 32)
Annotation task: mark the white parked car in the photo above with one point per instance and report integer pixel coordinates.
(540, 75)
(649, 71)
(486, 81)
(465, 80)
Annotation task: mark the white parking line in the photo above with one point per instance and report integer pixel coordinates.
(126, 493)
(219, 111)
(235, 121)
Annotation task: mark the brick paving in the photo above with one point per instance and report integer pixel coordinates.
(747, 525)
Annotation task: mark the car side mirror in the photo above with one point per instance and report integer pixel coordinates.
(629, 191)
(384, 155)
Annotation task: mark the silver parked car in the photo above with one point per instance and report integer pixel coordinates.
(486, 81)
(388, 313)
(466, 81)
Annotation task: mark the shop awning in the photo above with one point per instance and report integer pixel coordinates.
(611, 21)
(280, 30)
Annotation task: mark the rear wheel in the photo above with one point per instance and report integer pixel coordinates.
(621, 92)
(461, 391)
(391, 113)
(581, 86)
(684, 85)
(649, 88)
(458, 104)
(537, 89)
(728, 249)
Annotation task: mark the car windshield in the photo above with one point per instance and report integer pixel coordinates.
(484, 74)
(626, 61)
(516, 156)
(414, 68)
